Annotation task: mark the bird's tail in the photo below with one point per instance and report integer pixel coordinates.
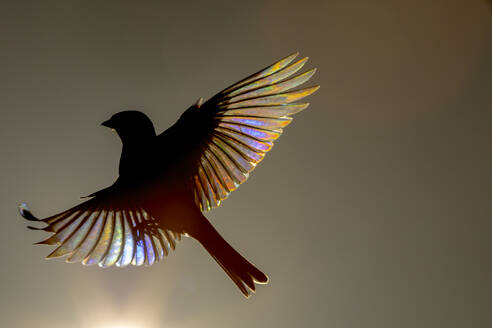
(241, 271)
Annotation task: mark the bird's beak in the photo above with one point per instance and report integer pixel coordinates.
(108, 124)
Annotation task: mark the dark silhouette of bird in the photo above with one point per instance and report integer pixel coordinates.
(166, 181)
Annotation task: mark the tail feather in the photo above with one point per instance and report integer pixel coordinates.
(241, 271)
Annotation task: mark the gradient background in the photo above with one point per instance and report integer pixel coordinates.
(373, 210)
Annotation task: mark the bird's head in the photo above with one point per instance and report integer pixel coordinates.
(131, 126)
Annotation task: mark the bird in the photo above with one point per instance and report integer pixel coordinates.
(167, 181)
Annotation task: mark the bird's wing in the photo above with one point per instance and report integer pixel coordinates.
(106, 233)
(237, 127)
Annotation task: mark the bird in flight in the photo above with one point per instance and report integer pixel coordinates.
(167, 181)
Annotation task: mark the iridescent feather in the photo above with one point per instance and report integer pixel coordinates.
(248, 116)
(106, 237)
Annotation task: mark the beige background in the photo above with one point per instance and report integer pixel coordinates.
(373, 209)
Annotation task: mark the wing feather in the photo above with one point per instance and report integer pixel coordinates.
(116, 247)
(245, 119)
(271, 100)
(68, 245)
(151, 251)
(107, 235)
(129, 241)
(271, 79)
(92, 239)
(104, 241)
(264, 72)
(139, 258)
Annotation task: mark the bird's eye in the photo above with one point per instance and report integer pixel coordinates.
(113, 130)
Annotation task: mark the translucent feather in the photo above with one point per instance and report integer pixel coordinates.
(104, 241)
(264, 72)
(273, 100)
(278, 111)
(116, 248)
(271, 79)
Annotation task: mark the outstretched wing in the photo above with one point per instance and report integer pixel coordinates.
(238, 127)
(99, 232)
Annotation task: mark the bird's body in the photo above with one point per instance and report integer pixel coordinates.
(166, 181)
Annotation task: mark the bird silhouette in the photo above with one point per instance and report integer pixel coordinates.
(166, 181)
